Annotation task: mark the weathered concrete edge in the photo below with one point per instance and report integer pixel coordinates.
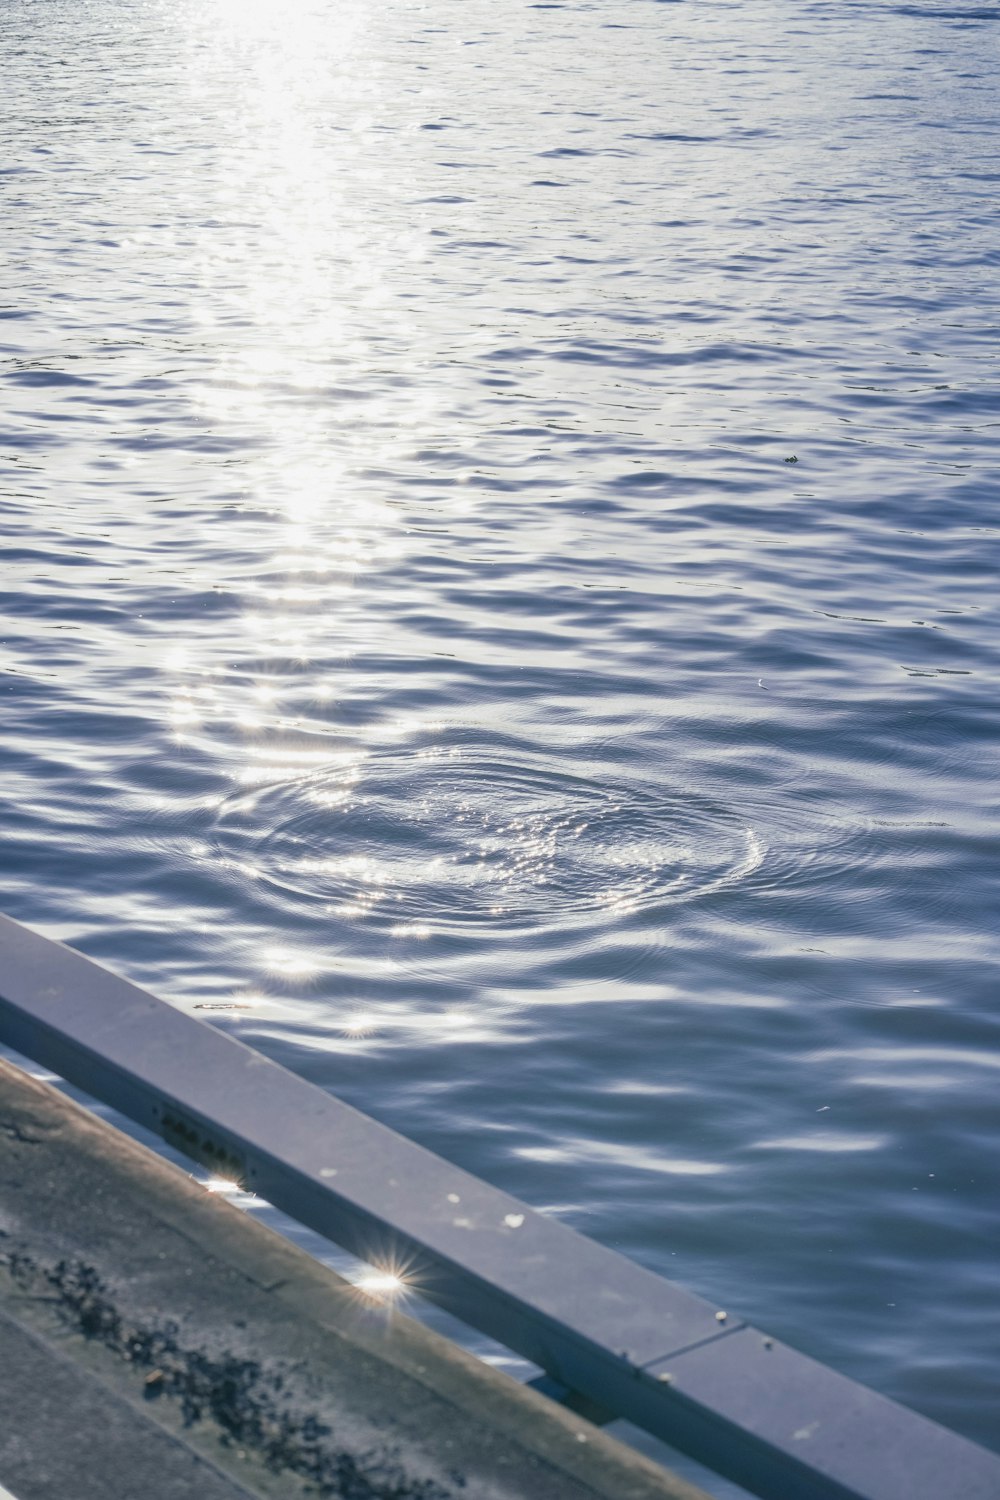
(315, 1297)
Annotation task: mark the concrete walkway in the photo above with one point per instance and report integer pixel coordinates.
(156, 1342)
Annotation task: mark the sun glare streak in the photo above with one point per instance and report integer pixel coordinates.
(382, 1284)
(386, 1279)
(290, 300)
(221, 1185)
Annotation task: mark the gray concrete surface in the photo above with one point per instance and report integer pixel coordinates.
(155, 1342)
(64, 1435)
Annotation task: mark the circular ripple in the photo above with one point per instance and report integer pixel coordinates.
(446, 839)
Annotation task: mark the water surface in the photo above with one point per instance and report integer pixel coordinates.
(500, 602)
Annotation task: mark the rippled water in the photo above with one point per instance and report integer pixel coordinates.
(500, 551)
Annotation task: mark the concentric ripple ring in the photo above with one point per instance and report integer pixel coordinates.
(442, 837)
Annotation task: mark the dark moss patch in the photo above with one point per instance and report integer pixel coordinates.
(251, 1405)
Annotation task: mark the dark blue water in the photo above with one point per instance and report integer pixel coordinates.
(500, 546)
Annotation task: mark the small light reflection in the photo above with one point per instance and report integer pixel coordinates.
(410, 929)
(385, 1280)
(384, 1285)
(289, 964)
(361, 1023)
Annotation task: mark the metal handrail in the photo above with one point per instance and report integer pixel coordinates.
(745, 1405)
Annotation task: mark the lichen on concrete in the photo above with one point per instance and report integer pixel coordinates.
(251, 1406)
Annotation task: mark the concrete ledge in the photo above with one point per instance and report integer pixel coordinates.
(144, 1322)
